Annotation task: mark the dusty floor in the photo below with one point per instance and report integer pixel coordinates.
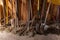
(9, 36)
(48, 37)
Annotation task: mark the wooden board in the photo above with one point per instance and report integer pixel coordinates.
(56, 2)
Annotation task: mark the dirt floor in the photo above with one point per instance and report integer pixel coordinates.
(9, 36)
(48, 37)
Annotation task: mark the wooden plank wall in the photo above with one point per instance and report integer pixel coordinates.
(23, 10)
(52, 13)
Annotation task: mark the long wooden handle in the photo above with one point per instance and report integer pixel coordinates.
(38, 5)
(6, 11)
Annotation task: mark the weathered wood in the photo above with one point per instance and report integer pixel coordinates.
(6, 11)
(1, 11)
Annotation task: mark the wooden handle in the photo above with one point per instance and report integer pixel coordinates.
(6, 11)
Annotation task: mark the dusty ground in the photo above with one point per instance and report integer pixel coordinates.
(9, 36)
(48, 37)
